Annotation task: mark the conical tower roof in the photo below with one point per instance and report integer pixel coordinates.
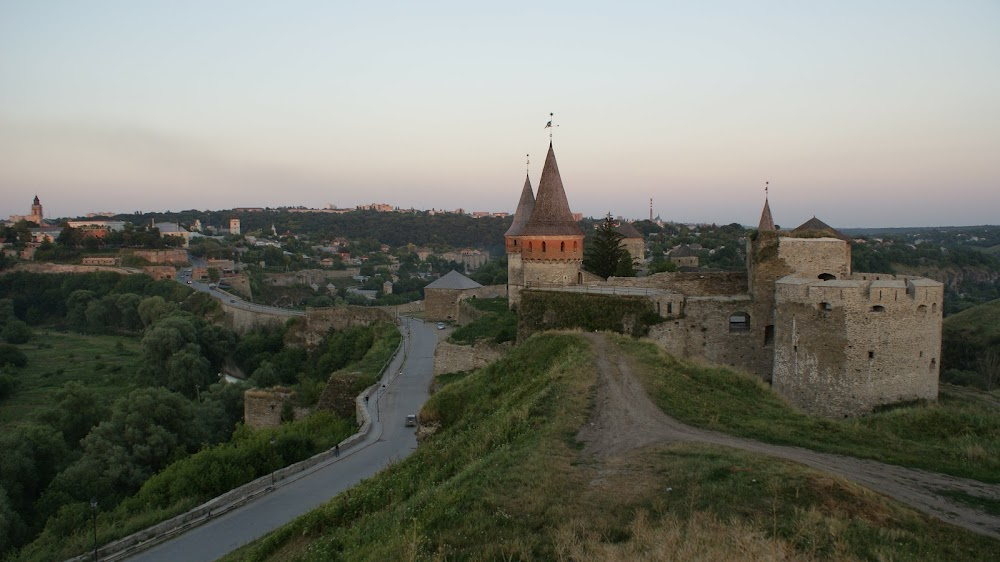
(551, 215)
(816, 226)
(524, 208)
(766, 222)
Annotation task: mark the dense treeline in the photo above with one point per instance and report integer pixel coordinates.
(84, 445)
(395, 229)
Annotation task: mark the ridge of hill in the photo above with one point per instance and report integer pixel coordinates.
(521, 466)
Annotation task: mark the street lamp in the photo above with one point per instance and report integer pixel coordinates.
(93, 508)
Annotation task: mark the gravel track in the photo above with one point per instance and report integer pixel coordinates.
(624, 419)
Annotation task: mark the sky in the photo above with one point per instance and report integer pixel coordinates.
(863, 113)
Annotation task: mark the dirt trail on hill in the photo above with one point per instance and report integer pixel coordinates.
(624, 419)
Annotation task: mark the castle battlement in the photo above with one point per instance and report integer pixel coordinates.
(860, 291)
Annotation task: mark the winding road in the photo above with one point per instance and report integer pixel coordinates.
(407, 381)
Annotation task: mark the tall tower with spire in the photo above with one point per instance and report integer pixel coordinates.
(550, 242)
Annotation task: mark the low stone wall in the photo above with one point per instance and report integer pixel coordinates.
(452, 358)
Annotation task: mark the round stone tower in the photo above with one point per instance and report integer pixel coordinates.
(512, 238)
(551, 241)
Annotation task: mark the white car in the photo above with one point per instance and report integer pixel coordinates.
(440, 325)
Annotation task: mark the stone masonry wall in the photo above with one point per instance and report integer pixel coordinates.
(452, 358)
(262, 408)
(690, 283)
(810, 257)
(844, 347)
(319, 321)
(162, 256)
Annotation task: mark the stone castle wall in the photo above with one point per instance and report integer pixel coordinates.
(308, 276)
(319, 321)
(811, 257)
(690, 283)
(705, 332)
(441, 304)
(159, 272)
(262, 408)
(844, 347)
(452, 358)
(178, 257)
(444, 304)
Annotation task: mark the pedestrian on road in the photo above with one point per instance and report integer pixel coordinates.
(336, 450)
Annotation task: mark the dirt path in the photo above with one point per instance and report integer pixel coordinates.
(624, 418)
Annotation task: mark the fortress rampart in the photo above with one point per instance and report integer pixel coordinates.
(845, 346)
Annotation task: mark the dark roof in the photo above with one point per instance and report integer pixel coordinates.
(683, 251)
(766, 222)
(524, 208)
(551, 215)
(628, 231)
(816, 226)
(453, 280)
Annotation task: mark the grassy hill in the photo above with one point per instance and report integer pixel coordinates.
(965, 335)
(505, 478)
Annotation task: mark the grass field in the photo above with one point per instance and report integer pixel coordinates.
(108, 364)
(955, 435)
(504, 478)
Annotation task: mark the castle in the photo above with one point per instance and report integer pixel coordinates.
(831, 341)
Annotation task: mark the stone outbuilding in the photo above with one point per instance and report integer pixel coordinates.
(442, 297)
(684, 256)
(634, 242)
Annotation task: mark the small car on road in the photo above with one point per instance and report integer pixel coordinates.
(440, 325)
(411, 420)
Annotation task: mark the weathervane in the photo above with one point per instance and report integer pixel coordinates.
(527, 164)
(550, 126)
(766, 184)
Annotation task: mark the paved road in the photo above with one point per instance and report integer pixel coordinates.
(388, 441)
(232, 300)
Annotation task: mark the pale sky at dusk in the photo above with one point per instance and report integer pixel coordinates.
(869, 113)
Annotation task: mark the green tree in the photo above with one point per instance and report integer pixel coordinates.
(606, 255)
(11, 355)
(77, 410)
(16, 331)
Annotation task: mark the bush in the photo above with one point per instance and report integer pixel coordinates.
(7, 385)
(11, 355)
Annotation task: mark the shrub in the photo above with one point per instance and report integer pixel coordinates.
(11, 355)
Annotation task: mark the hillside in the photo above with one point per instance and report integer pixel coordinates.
(532, 460)
(965, 336)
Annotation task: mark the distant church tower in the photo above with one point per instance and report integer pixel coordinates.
(550, 244)
(36, 212)
(234, 225)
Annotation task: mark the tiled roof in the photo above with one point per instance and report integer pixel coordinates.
(551, 215)
(453, 280)
(524, 208)
(816, 225)
(628, 231)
